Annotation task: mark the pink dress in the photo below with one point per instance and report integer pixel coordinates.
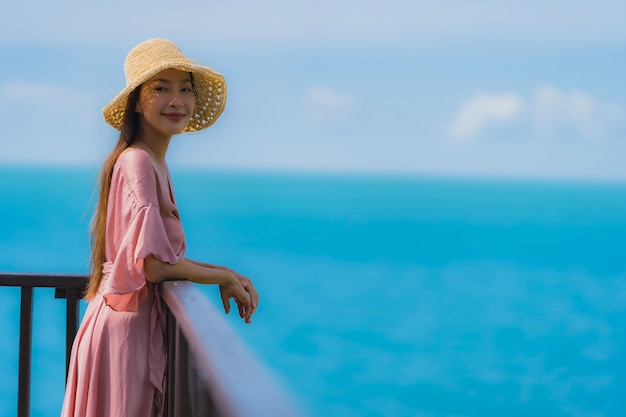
(117, 367)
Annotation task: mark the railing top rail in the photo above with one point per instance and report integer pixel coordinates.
(245, 387)
(69, 281)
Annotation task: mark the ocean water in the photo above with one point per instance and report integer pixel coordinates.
(380, 296)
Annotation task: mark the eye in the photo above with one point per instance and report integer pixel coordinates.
(187, 90)
(160, 89)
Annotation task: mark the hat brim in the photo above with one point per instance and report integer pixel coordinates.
(209, 91)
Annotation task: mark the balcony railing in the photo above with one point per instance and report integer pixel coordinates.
(66, 286)
(210, 370)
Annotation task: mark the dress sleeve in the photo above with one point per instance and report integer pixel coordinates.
(140, 227)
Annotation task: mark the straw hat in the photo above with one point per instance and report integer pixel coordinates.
(155, 55)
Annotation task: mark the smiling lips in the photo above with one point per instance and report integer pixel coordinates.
(175, 117)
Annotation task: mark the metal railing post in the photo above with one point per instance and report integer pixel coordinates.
(170, 385)
(26, 325)
(71, 321)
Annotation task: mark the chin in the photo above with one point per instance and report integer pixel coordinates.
(175, 131)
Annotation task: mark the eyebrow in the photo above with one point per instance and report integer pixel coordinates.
(165, 80)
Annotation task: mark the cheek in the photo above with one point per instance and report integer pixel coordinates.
(145, 102)
(190, 103)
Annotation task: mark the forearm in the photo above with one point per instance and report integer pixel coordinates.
(157, 271)
(207, 265)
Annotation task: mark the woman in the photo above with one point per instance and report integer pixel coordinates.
(118, 359)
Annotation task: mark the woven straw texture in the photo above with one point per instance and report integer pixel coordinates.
(155, 55)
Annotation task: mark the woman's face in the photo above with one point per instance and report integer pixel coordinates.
(166, 102)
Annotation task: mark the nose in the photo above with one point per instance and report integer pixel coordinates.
(175, 102)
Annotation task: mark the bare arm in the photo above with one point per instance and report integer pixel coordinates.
(207, 264)
(157, 271)
(230, 285)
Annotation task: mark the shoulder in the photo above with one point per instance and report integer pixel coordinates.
(136, 171)
(135, 159)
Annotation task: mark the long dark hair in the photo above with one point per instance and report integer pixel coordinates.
(128, 132)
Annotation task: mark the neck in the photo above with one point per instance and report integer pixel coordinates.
(154, 143)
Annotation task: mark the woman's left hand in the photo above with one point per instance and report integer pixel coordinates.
(244, 311)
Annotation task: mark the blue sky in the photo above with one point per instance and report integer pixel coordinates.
(533, 89)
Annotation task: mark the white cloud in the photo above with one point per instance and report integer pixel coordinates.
(324, 106)
(550, 113)
(483, 111)
(578, 111)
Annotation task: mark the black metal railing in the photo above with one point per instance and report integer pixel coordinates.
(66, 286)
(210, 371)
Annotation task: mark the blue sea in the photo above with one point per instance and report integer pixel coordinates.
(380, 295)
